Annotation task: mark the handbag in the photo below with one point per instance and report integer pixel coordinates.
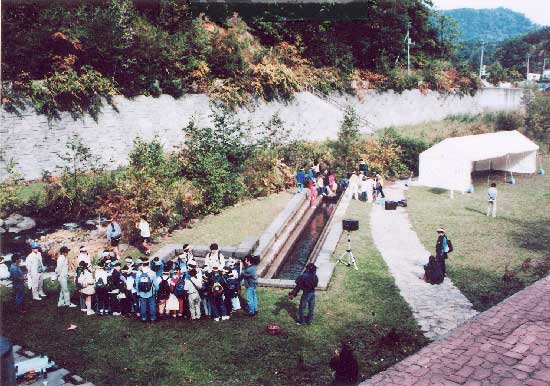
(172, 304)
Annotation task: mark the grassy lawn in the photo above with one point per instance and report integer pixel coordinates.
(362, 305)
(486, 247)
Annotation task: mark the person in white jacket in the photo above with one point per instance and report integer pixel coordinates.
(87, 284)
(62, 272)
(214, 258)
(4, 273)
(35, 267)
(192, 286)
(354, 185)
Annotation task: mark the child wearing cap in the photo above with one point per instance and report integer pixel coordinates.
(176, 306)
(146, 287)
(230, 293)
(193, 287)
(101, 288)
(217, 286)
(87, 285)
(163, 293)
(115, 287)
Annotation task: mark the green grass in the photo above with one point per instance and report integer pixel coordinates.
(485, 247)
(363, 305)
(453, 126)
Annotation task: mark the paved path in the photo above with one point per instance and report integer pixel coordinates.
(58, 377)
(507, 345)
(438, 309)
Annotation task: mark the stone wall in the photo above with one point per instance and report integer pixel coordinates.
(33, 143)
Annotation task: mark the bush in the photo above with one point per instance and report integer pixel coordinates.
(77, 93)
(410, 148)
(345, 147)
(383, 156)
(265, 174)
(214, 157)
(508, 121)
(537, 123)
(150, 186)
(9, 199)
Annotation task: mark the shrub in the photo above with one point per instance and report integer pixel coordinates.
(214, 156)
(508, 121)
(8, 191)
(537, 123)
(345, 147)
(152, 186)
(398, 80)
(77, 93)
(265, 174)
(383, 157)
(410, 148)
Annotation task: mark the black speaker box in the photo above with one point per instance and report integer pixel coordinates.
(350, 225)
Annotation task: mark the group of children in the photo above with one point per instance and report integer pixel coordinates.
(324, 183)
(152, 288)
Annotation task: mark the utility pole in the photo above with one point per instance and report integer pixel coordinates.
(528, 56)
(409, 44)
(481, 59)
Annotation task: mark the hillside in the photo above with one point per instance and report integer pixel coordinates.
(496, 24)
(511, 54)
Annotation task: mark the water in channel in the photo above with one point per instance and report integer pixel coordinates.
(298, 255)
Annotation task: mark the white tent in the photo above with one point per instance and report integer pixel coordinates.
(449, 164)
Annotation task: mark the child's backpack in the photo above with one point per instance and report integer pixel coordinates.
(145, 283)
(217, 289)
(232, 285)
(164, 290)
(100, 284)
(179, 288)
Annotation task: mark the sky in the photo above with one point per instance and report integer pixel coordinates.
(536, 10)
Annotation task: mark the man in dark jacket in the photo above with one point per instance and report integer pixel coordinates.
(306, 282)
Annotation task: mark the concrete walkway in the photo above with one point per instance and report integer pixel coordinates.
(507, 345)
(438, 309)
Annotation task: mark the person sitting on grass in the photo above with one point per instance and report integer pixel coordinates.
(344, 364)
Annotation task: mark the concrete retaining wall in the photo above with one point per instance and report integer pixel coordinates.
(33, 143)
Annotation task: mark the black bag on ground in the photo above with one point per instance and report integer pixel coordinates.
(402, 203)
(390, 205)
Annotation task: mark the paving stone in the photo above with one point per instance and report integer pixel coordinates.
(488, 360)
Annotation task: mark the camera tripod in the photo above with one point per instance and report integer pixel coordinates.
(350, 258)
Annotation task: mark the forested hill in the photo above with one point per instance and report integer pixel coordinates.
(496, 24)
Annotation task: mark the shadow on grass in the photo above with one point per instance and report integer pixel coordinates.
(437, 190)
(284, 303)
(533, 235)
(475, 210)
(484, 288)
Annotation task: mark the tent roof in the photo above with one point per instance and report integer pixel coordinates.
(483, 146)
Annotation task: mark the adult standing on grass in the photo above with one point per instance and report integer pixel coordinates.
(354, 185)
(250, 278)
(114, 234)
(35, 268)
(62, 272)
(146, 289)
(18, 282)
(145, 233)
(306, 282)
(442, 248)
(492, 200)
